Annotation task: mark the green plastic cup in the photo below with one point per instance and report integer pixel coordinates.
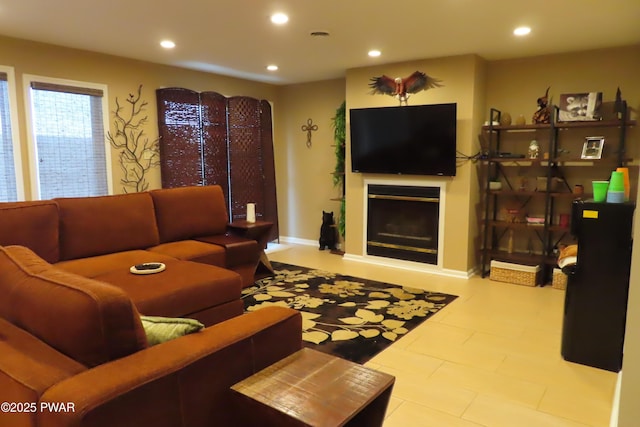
(600, 190)
(616, 183)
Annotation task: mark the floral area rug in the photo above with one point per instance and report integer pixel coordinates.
(345, 316)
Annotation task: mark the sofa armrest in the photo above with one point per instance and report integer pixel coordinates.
(183, 382)
(28, 367)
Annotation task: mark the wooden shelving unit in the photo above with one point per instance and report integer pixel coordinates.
(538, 242)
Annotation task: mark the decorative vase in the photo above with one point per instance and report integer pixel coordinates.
(521, 121)
(505, 119)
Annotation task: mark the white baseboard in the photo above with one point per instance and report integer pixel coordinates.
(304, 242)
(615, 411)
(388, 262)
(409, 265)
(275, 247)
(298, 241)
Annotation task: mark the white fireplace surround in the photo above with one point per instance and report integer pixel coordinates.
(391, 262)
(437, 269)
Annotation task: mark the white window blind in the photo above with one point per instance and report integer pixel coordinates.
(8, 185)
(68, 129)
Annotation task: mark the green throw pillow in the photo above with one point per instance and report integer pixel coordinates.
(161, 329)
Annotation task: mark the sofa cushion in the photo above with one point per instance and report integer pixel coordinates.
(31, 224)
(161, 329)
(92, 226)
(89, 321)
(182, 289)
(96, 265)
(204, 206)
(191, 250)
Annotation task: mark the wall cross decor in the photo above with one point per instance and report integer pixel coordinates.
(308, 128)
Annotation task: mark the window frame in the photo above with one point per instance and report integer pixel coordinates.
(15, 131)
(27, 79)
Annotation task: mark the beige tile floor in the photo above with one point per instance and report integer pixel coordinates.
(490, 358)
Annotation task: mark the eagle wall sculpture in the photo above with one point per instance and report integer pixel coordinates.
(400, 88)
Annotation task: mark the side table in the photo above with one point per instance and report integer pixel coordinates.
(258, 231)
(310, 388)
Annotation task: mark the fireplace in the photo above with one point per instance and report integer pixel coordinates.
(403, 222)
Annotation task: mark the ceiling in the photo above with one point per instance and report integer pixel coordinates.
(236, 37)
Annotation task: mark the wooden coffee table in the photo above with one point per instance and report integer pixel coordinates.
(310, 388)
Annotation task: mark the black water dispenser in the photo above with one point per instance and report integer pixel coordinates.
(595, 306)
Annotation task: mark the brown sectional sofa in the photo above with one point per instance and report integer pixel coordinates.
(102, 237)
(74, 341)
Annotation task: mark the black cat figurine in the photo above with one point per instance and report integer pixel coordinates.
(327, 232)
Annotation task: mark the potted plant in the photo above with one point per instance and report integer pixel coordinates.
(339, 137)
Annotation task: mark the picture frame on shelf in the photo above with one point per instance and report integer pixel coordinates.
(592, 148)
(576, 107)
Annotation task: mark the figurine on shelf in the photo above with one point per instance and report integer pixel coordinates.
(534, 149)
(542, 114)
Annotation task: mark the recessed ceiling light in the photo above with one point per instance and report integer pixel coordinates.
(167, 44)
(522, 31)
(279, 18)
(374, 53)
(272, 67)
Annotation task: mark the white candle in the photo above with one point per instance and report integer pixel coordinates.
(251, 212)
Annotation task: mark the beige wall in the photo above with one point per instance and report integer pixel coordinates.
(629, 410)
(477, 85)
(122, 76)
(514, 85)
(475, 208)
(303, 174)
(458, 75)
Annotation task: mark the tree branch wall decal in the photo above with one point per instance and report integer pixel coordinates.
(137, 154)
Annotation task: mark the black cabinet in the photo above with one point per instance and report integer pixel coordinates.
(598, 285)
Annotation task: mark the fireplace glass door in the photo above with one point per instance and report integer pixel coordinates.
(402, 222)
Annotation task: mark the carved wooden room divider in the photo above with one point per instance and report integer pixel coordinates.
(207, 138)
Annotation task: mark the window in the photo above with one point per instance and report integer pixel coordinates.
(70, 152)
(11, 187)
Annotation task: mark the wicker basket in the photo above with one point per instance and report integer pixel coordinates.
(527, 275)
(559, 280)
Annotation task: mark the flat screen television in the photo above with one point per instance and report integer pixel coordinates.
(407, 140)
